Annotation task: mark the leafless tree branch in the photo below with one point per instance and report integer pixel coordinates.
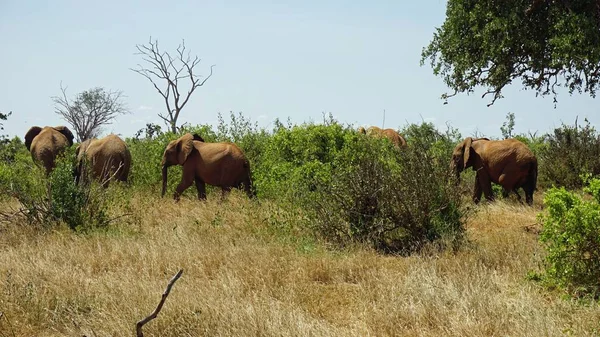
(162, 67)
(141, 323)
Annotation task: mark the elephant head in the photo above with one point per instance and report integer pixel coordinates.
(463, 155)
(35, 130)
(362, 130)
(176, 153)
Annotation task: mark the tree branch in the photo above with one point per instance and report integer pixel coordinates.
(164, 67)
(141, 323)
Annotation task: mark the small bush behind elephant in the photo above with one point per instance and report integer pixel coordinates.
(106, 158)
(45, 144)
(219, 164)
(509, 163)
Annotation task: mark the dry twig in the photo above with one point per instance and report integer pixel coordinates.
(140, 324)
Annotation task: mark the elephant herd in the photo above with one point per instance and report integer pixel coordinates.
(219, 164)
(508, 162)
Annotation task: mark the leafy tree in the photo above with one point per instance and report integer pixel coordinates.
(3, 138)
(543, 43)
(3, 117)
(508, 127)
(90, 110)
(152, 131)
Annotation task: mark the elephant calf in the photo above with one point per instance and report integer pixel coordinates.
(508, 162)
(218, 164)
(47, 143)
(108, 158)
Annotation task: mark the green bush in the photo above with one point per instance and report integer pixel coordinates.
(395, 200)
(568, 153)
(46, 201)
(571, 236)
(146, 156)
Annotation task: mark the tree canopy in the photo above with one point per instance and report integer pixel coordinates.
(90, 110)
(545, 44)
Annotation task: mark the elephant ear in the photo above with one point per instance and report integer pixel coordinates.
(82, 147)
(362, 130)
(467, 150)
(66, 132)
(185, 145)
(198, 138)
(30, 135)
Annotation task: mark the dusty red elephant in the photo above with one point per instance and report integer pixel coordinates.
(47, 143)
(218, 164)
(390, 134)
(509, 163)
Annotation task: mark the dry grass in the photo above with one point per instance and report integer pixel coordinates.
(242, 278)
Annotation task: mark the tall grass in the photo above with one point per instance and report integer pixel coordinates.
(244, 279)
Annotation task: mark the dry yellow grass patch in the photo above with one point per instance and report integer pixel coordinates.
(242, 278)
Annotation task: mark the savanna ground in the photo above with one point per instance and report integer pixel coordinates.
(348, 237)
(245, 275)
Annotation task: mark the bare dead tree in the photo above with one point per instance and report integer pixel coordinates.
(164, 68)
(139, 325)
(90, 110)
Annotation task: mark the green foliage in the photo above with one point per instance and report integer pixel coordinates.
(79, 207)
(571, 237)
(19, 176)
(394, 200)
(491, 43)
(508, 127)
(572, 150)
(46, 201)
(151, 131)
(146, 156)
(3, 117)
(299, 158)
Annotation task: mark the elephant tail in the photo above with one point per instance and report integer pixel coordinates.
(248, 185)
(532, 176)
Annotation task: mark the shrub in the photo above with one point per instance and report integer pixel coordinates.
(296, 160)
(46, 201)
(569, 152)
(394, 200)
(571, 227)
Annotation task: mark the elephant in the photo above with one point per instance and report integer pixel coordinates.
(109, 158)
(218, 164)
(47, 143)
(508, 162)
(390, 134)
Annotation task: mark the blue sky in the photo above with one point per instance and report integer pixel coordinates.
(281, 59)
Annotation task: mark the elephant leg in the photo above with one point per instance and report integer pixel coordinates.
(201, 187)
(247, 185)
(485, 184)
(528, 194)
(183, 185)
(477, 191)
(518, 195)
(224, 192)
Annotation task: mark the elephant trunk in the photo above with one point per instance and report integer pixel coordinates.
(456, 170)
(164, 180)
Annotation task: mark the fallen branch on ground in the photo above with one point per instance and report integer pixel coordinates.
(140, 324)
